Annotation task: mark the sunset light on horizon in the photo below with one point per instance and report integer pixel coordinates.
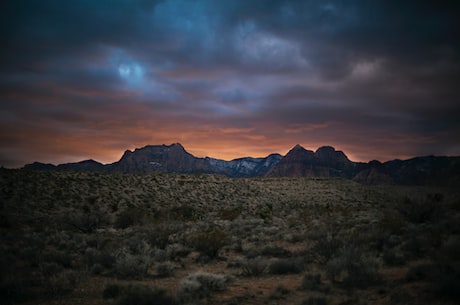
(228, 79)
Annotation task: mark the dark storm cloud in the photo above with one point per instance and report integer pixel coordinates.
(245, 74)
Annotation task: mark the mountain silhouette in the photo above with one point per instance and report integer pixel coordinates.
(298, 162)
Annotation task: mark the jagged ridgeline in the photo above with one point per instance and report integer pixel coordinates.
(298, 162)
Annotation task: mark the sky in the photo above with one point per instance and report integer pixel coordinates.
(87, 79)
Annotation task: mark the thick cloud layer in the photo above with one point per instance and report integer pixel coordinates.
(89, 79)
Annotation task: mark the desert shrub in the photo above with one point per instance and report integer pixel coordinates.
(59, 257)
(125, 219)
(312, 282)
(286, 266)
(176, 251)
(111, 291)
(209, 242)
(16, 289)
(420, 272)
(393, 257)
(315, 301)
(279, 293)
(50, 268)
(95, 257)
(30, 255)
(144, 295)
(276, 251)
(230, 213)
(96, 269)
(132, 216)
(354, 268)
(184, 213)
(86, 219)
(165, 269)
(129, 265)
(327, 246)
(253, 267)
(417, 210)
(200, 285)
(446, 282)
(62, 283)
(443, 278)
(419, 245)
(158, 236)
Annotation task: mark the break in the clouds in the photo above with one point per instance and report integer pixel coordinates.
(89, 79)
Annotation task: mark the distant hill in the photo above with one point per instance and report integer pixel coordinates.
(298, 162)
(325, 162)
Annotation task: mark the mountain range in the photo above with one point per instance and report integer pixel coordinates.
(298, 162)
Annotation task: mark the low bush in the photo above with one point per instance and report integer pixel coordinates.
(286, 266)
(130, 265)
(209, 242)
(327, 246)
(312, 282)
(95, 257)
(393, 257)
(62, 283)
(253, 267)
(276, 251)
(200, 285)
(280, 293)
(315, 301)
(354, 268)
(111, 291)
(144, 295)
(421, 210)
(165, 269)
(14, 290)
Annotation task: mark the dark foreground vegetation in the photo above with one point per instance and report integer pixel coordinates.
(94, 238)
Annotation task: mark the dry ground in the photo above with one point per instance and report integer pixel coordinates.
(92, 238)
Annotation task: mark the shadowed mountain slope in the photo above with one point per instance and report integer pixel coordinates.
(298, 162)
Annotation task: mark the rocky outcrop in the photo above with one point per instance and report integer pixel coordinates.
(158, 159)
(325, 162)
